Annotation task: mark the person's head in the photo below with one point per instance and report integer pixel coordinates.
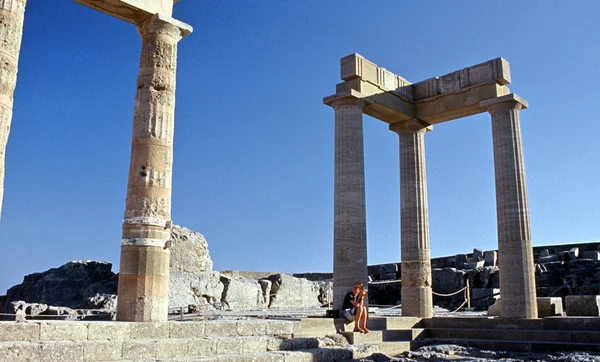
(358, 286)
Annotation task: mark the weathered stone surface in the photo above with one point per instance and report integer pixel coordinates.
(484, 297)
(202, 289)
(544, 252)
(448, 280)
(477, 254)
(69, 285)
(591, 254)
(290, 292)
(63, 331)
(495, 309)
(265, 285)
(549, 307)
(325, 292)
(547, 259)
(583, 305)
(241, 293)
(189, 251)
(461, 261)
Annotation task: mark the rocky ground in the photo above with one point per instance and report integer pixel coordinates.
(449, 352)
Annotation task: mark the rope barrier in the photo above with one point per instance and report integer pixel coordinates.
(448, 295)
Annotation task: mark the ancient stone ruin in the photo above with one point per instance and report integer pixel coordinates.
(411, 110)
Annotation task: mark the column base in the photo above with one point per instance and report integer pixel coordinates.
(143, 294)
(417, 302)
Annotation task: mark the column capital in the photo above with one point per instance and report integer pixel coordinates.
(160, 23)
(511, 100)
(411, 126)
(349, 96)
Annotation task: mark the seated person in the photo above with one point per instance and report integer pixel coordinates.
(354, 308)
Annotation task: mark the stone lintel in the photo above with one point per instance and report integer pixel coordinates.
(493, 71)
(133, 11)
(513, 98)
(411, 125)
(356, 66)
(459, 104)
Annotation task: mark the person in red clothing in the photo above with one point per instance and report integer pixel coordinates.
(354, 308)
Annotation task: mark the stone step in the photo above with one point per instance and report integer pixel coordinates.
(64, 330)
(560, 336)
(394, 348)
(315, 327)
(404, 334)
(361, 338)
(380, 323)
(549, 323)
(518, 346)
(135, 349)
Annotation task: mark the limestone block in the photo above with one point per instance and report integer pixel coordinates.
(241, 293)
(297, 356)
(265, 285)
(23, 351)
(547, 259)
(477, 254)
(583, 305)
(109, 330)
(495, 309)
(202, 347)
(388, 276)
(13, 331)
(133, 11)
(102, 350)
(189, 251)
(565, 256)
(460, 260)
(221, 328)
(251, 327)
(280, 328)
(187, 329)
(60, 351)
(549, 307)
(483, 297)
(186, 288)
(171, 348)
(63, 331)
(140, 349)
(255, 344)
(574, 253)
(150, 330)
(591, 254)
(544, 252)
(447, 280)
(491, 258)
(231, 345)
(476, 264)
(290, 292)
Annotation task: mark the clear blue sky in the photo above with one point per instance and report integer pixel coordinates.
(253, 166)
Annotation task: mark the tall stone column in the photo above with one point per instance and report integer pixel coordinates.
(144, 274)
(11, 32)
(515, 252)
(414, 220)
(350, 221)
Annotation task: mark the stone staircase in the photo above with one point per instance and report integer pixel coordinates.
(215, 340)
(551, 334)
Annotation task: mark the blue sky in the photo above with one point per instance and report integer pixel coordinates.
(253, 166)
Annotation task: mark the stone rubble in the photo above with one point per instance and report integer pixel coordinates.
(449, 352)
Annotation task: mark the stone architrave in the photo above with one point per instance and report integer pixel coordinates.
(350, 222)
(11, 32)
(515, 251)
(144, 273)
(414, 220)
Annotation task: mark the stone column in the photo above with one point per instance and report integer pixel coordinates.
(414, 220)
(144, 274)
(350, 222)
(11, 32)
(515, 252)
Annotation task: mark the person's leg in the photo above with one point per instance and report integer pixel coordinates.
(357, 319)
(364, 319)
